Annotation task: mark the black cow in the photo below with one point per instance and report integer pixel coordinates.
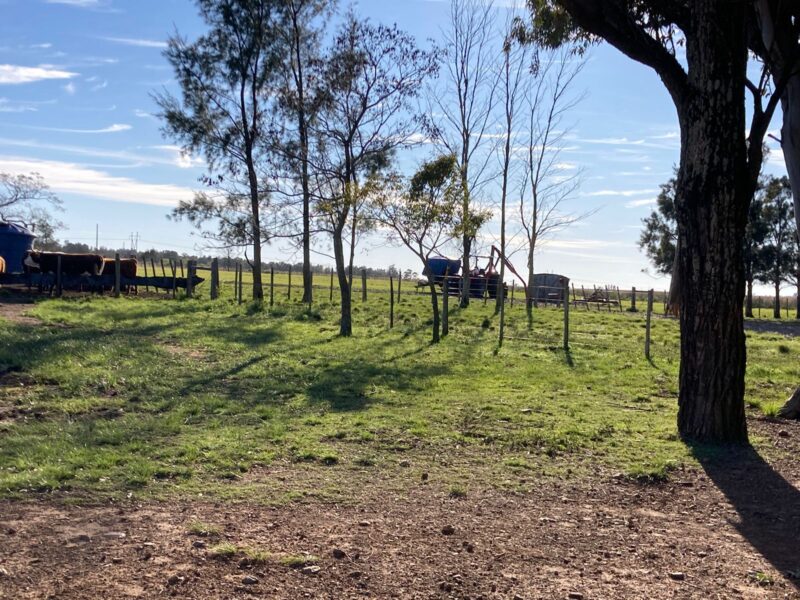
(71, 264)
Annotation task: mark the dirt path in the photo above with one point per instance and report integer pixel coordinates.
(730, 530)
(13, 309)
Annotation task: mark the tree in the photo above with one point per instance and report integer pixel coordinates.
(716, 180)
(371, 75)
(659, 238)
(545, 186)
(225, 78)
(462, 109)
(301, 28)
(25, 199)
(424, 216)
(778, 255)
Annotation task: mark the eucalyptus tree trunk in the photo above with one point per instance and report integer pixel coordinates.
(776, 309)
(345, 320)
(258, 289)
(712, 200)
(748, 307)
(434, 309)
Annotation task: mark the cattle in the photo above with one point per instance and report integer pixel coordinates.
(2, 265)
(127, 267)
(71, 264)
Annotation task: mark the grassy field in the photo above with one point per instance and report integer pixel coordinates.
(155, 397)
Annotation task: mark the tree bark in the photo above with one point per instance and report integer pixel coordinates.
(776, 309)
(258, 288)
(790, 139)
(435, 309)
(345, 319)
(748, 311)
(712, 200)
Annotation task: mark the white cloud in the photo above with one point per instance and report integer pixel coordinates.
(179, 158)
(142, 43)
(15, 74)
(142, 114)
(79, 3)
(115, 128)
(7, 106)
(623, 193)
(638, 203)
(71, 178)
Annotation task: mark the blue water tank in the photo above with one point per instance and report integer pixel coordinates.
(15, 241)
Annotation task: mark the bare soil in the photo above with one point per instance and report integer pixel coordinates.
(730, 529)
(13, 309)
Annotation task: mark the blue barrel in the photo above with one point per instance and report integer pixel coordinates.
(15, 241)
(438, 266)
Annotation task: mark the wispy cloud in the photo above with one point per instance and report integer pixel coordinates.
(180, 158)
(640, 203)
(78, 3)
(142, 43)
(11, 106)
(70, 88)
(70, 178)
(114, 128)
(15, 74)
(623, 193)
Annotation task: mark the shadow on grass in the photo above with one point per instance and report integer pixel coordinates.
(768, 505)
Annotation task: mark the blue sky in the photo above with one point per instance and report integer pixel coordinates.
(76, 78)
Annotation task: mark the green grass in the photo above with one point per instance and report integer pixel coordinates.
(165, 398)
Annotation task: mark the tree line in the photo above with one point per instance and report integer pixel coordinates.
(302, 114)
(770, 247)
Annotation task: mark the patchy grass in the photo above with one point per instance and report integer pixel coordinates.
(152, 397)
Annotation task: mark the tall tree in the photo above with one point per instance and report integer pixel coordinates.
(423, 217)
(371, 76)
(778, 255)
(225, 78)
(462, 110)
(28, 201)
(546, 185)
(302, 25)
(716, 180)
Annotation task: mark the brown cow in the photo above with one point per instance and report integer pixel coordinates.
(71, 264)
(127, 267)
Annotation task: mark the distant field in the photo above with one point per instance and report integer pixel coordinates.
(163, 397)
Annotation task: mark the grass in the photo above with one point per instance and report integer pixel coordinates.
(165, 398)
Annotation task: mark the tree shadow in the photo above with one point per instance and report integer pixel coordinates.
(355, 384)
(768, 505)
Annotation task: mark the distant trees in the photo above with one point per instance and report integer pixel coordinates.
(769, 246)
(28, 201)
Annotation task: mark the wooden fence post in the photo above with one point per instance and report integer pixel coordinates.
(330, 299)
(289, 293)
(190, 270)
(59, 280)
(146, 287)
(513, 289)
(399, 281)
(566, 315)
(648, 324)
(446, 303)
(633, 300)
(271, 286)
(619, 299)
(163, 270)
(183, 273)
(363, 285)
(174, 266)
(391, 302)
(117, 276)
(214, 279)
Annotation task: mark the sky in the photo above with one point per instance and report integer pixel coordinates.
(76, 84)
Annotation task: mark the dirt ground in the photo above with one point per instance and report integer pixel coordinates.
(728, 530)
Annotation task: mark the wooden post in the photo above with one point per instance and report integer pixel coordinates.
(566, 315)
(235, 279)
(513, 288)
(330, 299)
(214, 278)
(391, 302)
(399, 281)
(363, 285)
(271, 286)
(446, 303)
(619, 299)
(289, 293)
(59, 281)
(190, 269)
(153, 268)
(174, 266)
(633, 300)
(183, 274)
(648, 324)
(241, 285)
(146, 287)
(163, 270)
(585, 301)
(117, 275)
